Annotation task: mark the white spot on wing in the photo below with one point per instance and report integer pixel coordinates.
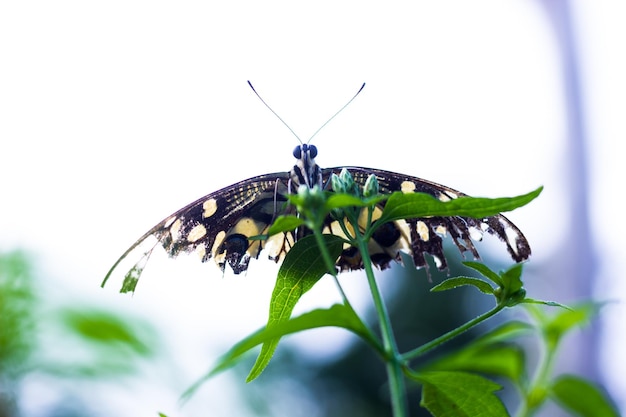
(511, 236)
(169, 221)
(476, 234)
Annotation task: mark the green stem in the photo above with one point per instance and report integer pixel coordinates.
(530, 400)
(330, 264)
(394, 367)
(451, 334)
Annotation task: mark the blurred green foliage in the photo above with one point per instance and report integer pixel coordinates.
(61, 340)
(17, 323)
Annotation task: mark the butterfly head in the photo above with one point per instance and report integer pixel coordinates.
(306, 171)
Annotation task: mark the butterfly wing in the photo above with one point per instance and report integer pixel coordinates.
(220, 224)
(421, 236)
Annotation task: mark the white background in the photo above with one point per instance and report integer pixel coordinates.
(114, 114)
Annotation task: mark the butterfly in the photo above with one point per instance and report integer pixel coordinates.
(224, 224)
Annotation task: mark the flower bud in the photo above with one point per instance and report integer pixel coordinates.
(370, 188)
(337, 184)
(350, 187)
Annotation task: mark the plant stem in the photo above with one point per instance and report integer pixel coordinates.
(451, 334)
(530, 401)
(330, 264)
(394, 368)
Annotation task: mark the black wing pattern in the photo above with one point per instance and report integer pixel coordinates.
(220, 225)
(420, 236)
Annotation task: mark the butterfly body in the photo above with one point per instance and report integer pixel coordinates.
(222, 225)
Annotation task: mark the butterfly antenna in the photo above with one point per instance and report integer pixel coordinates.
(275, 114)
(338, 111)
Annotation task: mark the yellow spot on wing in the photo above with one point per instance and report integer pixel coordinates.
(175, 229)
(219, 238)
(274, 246)
(248, 227)
(422, 230)
(201, 251)
(407, 187)
(376, 213)
(209, 208)
(336, 230)
(447, 196)
(198, 232)
(403, 244)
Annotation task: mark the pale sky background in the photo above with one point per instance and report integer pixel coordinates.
(115, 114)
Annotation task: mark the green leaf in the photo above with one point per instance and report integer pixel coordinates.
(284, 223)
(555, 326)
(412, 205)
(302, 268)
(456, 282)
(512, 278)
(545, 303)
(130, 279)
(494, 359)
(510, 289)
(336, 200)
(102, 344)
(506, 332)
(491, 353)
(459, 394)
(338, 315)
(108, 330)
(582, 397)
(485, 271)
(564, 320)
(512, 292)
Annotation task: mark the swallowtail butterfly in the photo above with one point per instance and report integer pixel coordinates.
(220, 225)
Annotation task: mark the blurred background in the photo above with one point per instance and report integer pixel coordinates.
(115, 114)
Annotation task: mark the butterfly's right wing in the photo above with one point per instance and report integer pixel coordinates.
(219, 226)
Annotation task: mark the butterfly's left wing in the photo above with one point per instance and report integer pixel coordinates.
(421, 236)
(219, 226)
